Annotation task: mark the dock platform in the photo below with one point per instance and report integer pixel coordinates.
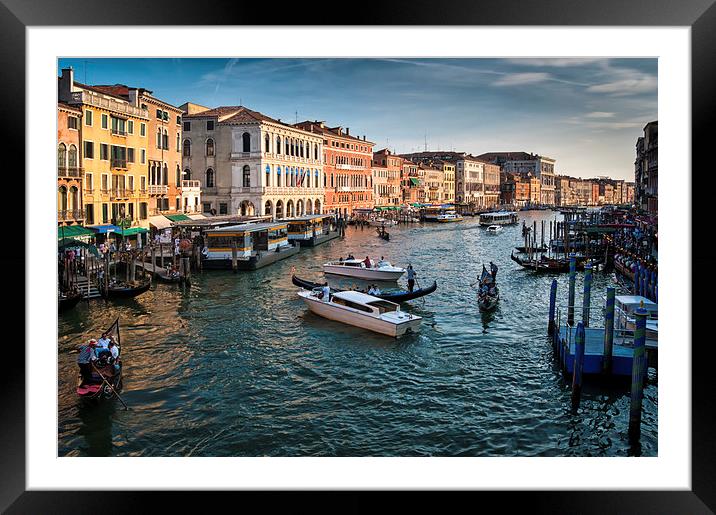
(317, 240)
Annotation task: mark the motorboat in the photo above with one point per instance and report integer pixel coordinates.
(362, 310)
(449, 217)
(382, 271)
(393, 296)
(624, 320)
(498, 218)
(494, 229)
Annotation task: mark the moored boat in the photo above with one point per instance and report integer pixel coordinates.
(498, 218)
(494, 229)
(393, 296)
(380, 222)
(449, 217)
(120, 291)
(362, 310)
(383, 271)
(68, 300)
(104, 377)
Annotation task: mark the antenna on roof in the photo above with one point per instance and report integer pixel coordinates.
(296, 116)
(426, 141)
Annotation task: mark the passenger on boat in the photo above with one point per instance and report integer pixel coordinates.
(493, 269)
(326, 293)
(86, 357)
(382, 262)
(114, 351)
(366, 261)
(103, 342)
(350, 256)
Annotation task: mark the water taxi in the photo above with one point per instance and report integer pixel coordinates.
(498, 218)
(382, 271)
(310, 230)
(449, 217)
(256, 245)
(362, 310)
(380, 222)
(494, 229)
(624, 308)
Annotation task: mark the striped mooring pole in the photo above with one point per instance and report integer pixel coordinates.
(578, 365)
(586, 303)
(637, 271)
(608, 332)
(552, 302)
(638, 369)
(572, 282)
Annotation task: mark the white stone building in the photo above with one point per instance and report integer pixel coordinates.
(250, 164)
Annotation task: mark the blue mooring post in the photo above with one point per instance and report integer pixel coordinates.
(652, 280)
(638, 369)
(643, 282)
(552, 302)
(572, 281)
(586, 302)
(636, 279)
(578, 365)
(608, 332)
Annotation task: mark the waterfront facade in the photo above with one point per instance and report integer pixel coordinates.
(113, 153)
(251, 164)
(346, 161)
(70, 175)
(387, 170)
(646, 169)
(492, 185)
(524, 163)
(434, 180)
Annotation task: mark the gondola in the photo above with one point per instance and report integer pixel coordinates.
(124, 292)
(488, 302)
(524, 250)
(68, 300)
(397, 297)
(551, 265)
(383, 234)
(105, 378)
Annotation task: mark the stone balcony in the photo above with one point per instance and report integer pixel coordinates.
(69, 171)
(158, 189)
(105, 102)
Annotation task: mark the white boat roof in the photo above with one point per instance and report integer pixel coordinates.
(360, 298)
(633, 301)
(336, 262)
(493, 213)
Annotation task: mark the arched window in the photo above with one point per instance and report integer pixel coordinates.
(178, 176)
(165, 175)
(61, 155)
(210, 178)
(278, 144)
(315, 152)
(246, 141)
(63, 199)
(268, 175)
(300, 151)
(268, 144)
(187, 174)
(247, 176)
(210, 147)
(72, 157)
(278, 176)
(74, 199)
(159, 138)
(187, 148)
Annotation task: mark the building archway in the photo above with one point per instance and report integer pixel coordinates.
(309, 207)
(289, 209)
(317, 207)
(299, 207)
(62, 201)
(279, 209)
(268, 208)
(247, 208)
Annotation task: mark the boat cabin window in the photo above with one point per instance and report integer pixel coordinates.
(349, 304)
(383, 306)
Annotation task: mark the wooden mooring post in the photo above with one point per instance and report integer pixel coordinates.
(572, 282)
(552, 302)
(586, 302)
(638, 375)
(578, 365)
(234, 263)
(187, 271)
(608, 332)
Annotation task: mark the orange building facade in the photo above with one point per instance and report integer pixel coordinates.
(348, 177)
(70, 210)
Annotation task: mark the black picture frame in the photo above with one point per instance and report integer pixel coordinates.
(700, 15)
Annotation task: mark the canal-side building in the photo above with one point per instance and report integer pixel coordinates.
(535, 189)
(387, 170)
(70, 175)
(523, 163)
(646, 169)
(113, 153)
(515, 189)
(412, 188)
(448, 170)
(164, 139)
(629, 192)
(434, 179)
(492, 186)
(248, 163)
(347, 164)
(562, 191)
(583, 192)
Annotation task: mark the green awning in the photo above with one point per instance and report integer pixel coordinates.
(416, 182)
(134, 230)
(177, 218)
(65, 243)
(72, 231)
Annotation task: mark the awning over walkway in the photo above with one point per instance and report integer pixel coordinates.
(102, 229)
(133, 231)
(73, 231)
(197, 216)
(160, 222)
(177, 218)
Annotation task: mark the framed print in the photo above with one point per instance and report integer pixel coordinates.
(389, 256)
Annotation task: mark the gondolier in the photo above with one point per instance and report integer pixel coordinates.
(411, 277)
(86, 357)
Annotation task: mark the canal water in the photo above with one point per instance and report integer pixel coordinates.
(237, 366)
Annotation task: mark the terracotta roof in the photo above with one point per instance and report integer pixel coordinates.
(99, 90)
(315, 128)
(69, 107)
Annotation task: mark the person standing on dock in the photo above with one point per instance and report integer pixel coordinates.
(411, 277)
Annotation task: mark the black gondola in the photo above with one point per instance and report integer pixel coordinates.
(68, 300)
(383, 233)
(397, 297)
(104, 378)
(488, 294)
(123, 291)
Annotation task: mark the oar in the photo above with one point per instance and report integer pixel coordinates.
(104, 379)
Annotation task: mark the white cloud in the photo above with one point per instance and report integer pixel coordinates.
(517, 79)
(599, 114)
(560, 62)
(626, 82)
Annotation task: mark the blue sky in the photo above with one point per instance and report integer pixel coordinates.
(585, 112)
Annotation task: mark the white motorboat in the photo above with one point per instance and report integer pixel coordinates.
(449, 217)
(624, 308)
(380, 222)
(382, 271)
(362, 310)
(494, 229)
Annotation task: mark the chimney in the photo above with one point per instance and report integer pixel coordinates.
(66, 84)
(363, 137)
(348, 131)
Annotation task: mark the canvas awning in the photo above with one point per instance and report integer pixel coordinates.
(133, 231)
(73, 231)
(414, 181)
(177, 218)
(197, 216)
(160, 222)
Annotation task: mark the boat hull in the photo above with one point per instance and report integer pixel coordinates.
(370, 274)
(398, 297)
(126, 293)
(377, 325)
